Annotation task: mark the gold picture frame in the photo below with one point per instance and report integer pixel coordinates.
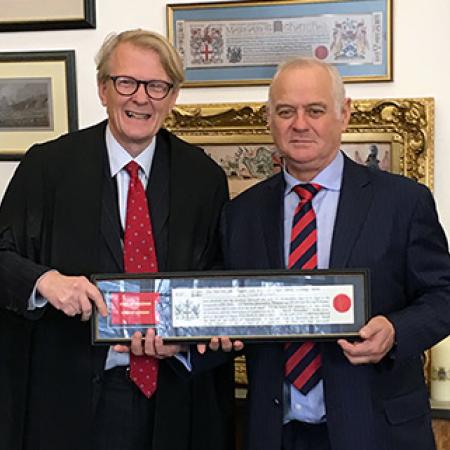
(406, 125)
(241, 43)
(403, 128)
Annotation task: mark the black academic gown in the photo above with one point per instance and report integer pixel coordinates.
(60, 212)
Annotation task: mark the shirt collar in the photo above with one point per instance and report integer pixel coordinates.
(329, 178)
(119, 157)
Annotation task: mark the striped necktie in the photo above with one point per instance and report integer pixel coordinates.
(303, 363)
(139, 255)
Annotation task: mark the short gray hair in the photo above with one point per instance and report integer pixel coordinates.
(302, 62)
(170, 59)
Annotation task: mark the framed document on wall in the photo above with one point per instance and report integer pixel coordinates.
(241, 43)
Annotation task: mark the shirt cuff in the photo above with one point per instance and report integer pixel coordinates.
(36, 300)
(185, 359)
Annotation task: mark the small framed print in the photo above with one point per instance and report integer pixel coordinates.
(265, 305)
(48, 15)
(38, 99)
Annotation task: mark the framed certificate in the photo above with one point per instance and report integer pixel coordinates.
(241, 43)
(263, 305)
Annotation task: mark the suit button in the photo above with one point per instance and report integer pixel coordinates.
(276, 402)
(96, 379)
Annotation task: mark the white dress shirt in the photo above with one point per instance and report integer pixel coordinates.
(118, 159)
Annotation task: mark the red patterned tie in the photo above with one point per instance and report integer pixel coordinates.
(303, 362)
(139, 256)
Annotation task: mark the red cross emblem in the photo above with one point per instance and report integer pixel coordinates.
(206, 51)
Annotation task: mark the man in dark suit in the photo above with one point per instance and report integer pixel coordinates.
(369, 394)
(61, 221)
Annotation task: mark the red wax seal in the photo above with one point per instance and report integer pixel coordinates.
(342, 303)
(321, 52)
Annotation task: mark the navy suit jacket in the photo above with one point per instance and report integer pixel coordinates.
(388, 224)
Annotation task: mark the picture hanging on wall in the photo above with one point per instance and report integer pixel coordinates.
(47, 15)
(242, 43)
(37, 99)
(396, 135)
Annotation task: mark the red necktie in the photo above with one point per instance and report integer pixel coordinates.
(303, 363)
(139, 255)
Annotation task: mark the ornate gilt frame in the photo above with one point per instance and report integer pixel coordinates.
(407, 124)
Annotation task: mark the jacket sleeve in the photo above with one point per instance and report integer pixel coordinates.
(21, 230)
(213, 253)
(426, 320)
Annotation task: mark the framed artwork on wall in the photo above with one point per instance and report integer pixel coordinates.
(20, 15)
(38, 99)
(387, 134)
(242, 42)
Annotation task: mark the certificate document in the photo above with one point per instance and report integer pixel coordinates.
(333, 38)
(263, 305)
(267, 305)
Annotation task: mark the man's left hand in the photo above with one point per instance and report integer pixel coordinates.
(221, 342)
(378, 337)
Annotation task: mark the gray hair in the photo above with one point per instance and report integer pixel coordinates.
(170, 59)
(300, 63)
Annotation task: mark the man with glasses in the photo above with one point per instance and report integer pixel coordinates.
(63, 218)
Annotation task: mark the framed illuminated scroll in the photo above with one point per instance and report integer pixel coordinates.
(242, 42)
(247, 305)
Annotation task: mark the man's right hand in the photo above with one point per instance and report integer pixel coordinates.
(71, 294)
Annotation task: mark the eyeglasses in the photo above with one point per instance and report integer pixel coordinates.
(155, 89)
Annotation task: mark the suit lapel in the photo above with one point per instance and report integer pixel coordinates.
(81, 168)
(158, 197)
(354, 203)
(272, 219)
(110, 220)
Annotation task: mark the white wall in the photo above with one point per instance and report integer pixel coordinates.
(421, 35)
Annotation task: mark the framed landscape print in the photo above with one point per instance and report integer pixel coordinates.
(37, 99)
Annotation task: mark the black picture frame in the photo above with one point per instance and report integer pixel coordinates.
(87, 20)
(265, 305)
(59, 67)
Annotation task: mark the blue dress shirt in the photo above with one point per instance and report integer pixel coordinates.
(311, 407)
